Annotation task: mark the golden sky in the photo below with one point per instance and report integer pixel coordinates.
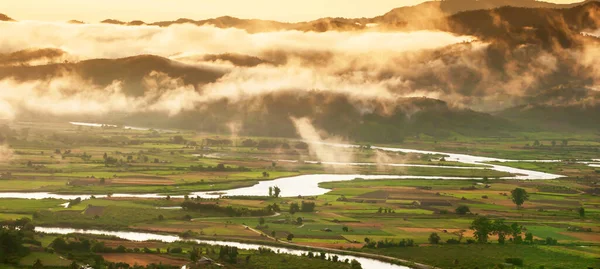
(157, 10)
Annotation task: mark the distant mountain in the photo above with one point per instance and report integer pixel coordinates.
(552, 117)
(450, 7)
(131, 71)
(424, 15)
(233, 58)
(417, 16)
(131, 23)
(563, 107)
(24, 57)
(111, 21)
(530, 62)
(5, 18)
(269, 115)
(517, 26)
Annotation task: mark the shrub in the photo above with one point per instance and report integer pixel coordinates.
(551, 241)
(452, 241)
(434, 238)
(462, 210)
(514, 261)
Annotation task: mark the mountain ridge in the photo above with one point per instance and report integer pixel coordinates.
(396, 17)
(4, 17)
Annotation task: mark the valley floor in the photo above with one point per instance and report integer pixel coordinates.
(100, 161)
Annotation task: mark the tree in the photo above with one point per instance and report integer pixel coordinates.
(434, 238)
(228, 252)
(307, 206)
(121, 249)
(345, 228)
(462, 210)
(261, 221)
(290, 237)
(73, 265)
(554, 143)
(565, 142)
(194, 255)
(276, 191)
(11, 245)
(178, 139)
(482, 227)
(500, 229)
(270, 191)
(294, 207)
(299, 221)
(354, 264)
(516, 230)
(581, 211)
(536, 143)
(529, 238)
(273, 233)
(519, 196)
(551, 241)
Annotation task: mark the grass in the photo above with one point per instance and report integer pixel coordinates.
(421, 206)
(29, 206)
(31, 185)
(489, 255)
(112, 217)
(47, 259)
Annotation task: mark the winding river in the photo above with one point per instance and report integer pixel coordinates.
(304, 185)
(308, 185)
(366, 263)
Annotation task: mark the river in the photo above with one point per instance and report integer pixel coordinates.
(304, 185)
(310, 183)
(366, 263)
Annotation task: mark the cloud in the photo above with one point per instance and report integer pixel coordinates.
(71, 95)
(7, 111)
(338, 62)
(33, 57)
(373, 69)
(6, 153)
(88, 41)
(318, 142)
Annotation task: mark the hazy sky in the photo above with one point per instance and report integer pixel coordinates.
(156, 10)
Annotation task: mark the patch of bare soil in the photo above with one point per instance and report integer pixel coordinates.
(144, 259)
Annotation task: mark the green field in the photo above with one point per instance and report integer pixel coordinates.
(105, 161)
